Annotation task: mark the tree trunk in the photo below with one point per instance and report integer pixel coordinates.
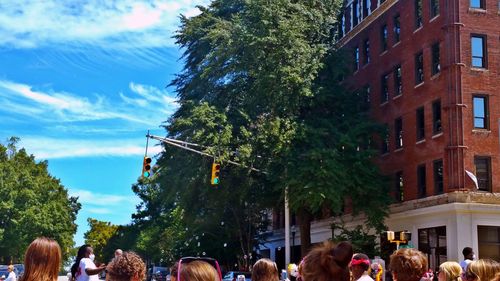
(305, 219)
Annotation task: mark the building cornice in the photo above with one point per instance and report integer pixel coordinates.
(366, 22)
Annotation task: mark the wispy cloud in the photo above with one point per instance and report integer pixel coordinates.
(52, 106)
(52, 148)
(100, 199)
(127, 24)
(102, 203)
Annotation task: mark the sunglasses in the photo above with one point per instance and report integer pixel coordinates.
(186, 260)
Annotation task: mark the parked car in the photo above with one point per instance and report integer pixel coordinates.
(158, 273)
(233, 276)
(3, 274)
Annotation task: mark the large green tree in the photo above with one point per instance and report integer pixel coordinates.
(259, 86)
(98, 235)
(33, 204)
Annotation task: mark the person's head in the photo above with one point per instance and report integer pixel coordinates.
(482, 270)
(198, 270)
(42, 260)
(126, 267)
(81, 253)
(450, 271)
(173, 271)
(327, 262)
(118, 252)
(360, 263)
(468, 253)
(10, 268)
(265, 270)
(408, 264)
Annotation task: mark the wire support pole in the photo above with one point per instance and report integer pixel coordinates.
(182, 145)
(147, 142)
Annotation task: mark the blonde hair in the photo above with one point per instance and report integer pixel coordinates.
(482, 270)
(408, 264)
(265, 270)
(42, 260)
(198, 271)
(452, 270)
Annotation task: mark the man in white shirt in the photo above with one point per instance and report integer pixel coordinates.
(12, 274)
(87, 270)
(468, 257)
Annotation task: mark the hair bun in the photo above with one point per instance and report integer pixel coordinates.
(342, 254)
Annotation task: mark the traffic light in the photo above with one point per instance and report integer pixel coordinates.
(146, 167)
(215, 174)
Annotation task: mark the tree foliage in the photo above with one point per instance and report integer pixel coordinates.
(98, 236)
(33, 204)
(260, 86)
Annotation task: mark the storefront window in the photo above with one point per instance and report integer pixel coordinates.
(489, 242)
(432, 242)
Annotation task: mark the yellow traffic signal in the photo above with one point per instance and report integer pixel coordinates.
(215, 174)
(146, 167)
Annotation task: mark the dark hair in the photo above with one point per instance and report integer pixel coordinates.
(79, 256)
(173, 269)
(126, 267)
(360, 256)
(327, 263)
(467, 251)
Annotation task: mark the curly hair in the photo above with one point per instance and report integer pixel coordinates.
(408, 264)
(265, 270)
(327, 263)
(127, 266)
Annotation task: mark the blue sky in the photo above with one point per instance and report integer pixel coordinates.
(81, 83)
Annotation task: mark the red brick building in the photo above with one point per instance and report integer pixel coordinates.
(431, 72)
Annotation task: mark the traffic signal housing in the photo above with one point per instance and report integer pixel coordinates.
(215, 174)
(146, 167)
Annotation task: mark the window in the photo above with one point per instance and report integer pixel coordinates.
(356, 59)
(434, 5)
(355, 13)
(436, 66)
(398, 83)
(438, 176)
(488, 238)
(477, 4)
(384, 91)
(478, 47)
(418, 14)
(421, 181)
(397, 28)
(483, 173)
(480, 108)
(420, 124)
(366, 47)
(436, 117)
(399, 187)
(432, 242)
(365, 105)
(385, 143)
(419, 68)
(367, 7)
(383, 35)
(398, 132)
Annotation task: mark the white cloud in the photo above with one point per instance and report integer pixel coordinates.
(102, 203)
(125, 24)
(51, 148)
(90, 198)
(51, 106)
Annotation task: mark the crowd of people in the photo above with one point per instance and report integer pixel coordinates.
(327, 262)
